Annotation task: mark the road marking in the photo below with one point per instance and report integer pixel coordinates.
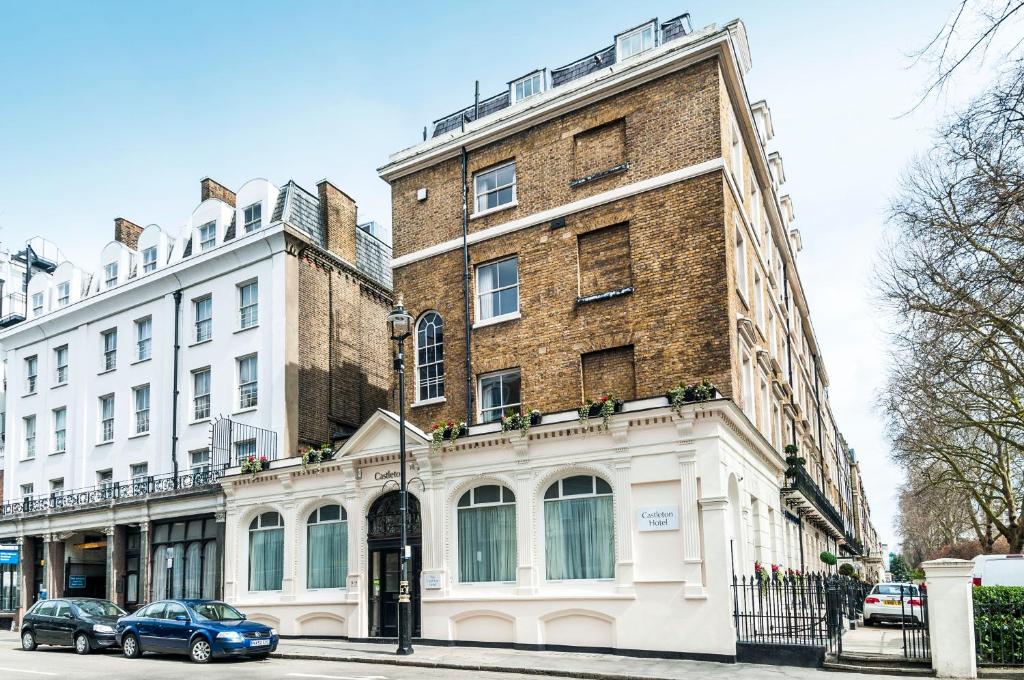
(330, 677)
(19, 670)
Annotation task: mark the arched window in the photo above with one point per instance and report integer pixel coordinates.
(266, 552)
(430, 356)
(579, 535)
(327, 547)
(487, 534)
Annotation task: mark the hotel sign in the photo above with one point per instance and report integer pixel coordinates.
(8, 554)
(658, 518)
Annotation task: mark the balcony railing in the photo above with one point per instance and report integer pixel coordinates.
(799, 483)
(113, 492)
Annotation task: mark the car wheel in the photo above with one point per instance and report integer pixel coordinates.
(130, 646)
(200, 650)
(82, 644)
(28, 641)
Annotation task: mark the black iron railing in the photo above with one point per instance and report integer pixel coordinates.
(112, 492)
(999, 633)
(797, 479)
(232, 441)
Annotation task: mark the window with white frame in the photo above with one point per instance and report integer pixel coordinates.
(499, 393)
(736, 157)
(149, 259)
(27, 489)
(105, 479)
(579, 529)
(528, 86)
(60, 429)
(57, 485)
(741, 259)
(765, 415)
(201, 394)
(107, 418)
(31, 373)
(253, 217)
(110, 349)
(248, 382)
(63, 294)
(207, 236)
(199, 460)
(143, 338)
(110, 275)
(497, 289)
(141, 396)
(139, 473)
(327, 547)
(29, 425)
(755, 206)
(495, 187)
(204, 318)
(60, 360)
(37, 304)
(266, 552)
(248, 305)
(487, 534)
(245, 449)
(636, 41)
(430, 357)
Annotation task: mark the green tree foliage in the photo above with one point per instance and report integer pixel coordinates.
(899, 569)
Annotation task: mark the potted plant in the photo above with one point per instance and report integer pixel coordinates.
(447, 432)
(828, 558)
(253, 465)
(316, 456)
(604, 406)
(514, 420)
(687, 394)
(536, 417)
(792, 456)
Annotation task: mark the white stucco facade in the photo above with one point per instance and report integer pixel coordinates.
(707, 463)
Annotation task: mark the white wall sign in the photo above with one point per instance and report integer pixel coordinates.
(658, 518)
(432, 581)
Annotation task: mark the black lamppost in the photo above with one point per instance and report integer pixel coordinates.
(401, 327)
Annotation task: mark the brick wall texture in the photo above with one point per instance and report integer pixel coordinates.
(127, 232)
(209, 188)
(609, 372)
(605, 259)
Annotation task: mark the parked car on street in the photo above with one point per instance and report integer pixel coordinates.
(86, 624)
(894, 603)
(202, 629)
(999, 570)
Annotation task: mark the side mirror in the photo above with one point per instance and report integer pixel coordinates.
(68, 615)
(244, 617)
(181, 617)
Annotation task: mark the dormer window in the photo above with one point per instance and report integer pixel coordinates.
(63, 294)
(148, 260)
(253, 216)
(37, 304)
(635, 41)
(528, 86)
(207, 236)
(110, 275)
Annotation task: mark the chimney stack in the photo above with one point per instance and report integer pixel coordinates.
(127, 232)
(338, 218)
(214, 189)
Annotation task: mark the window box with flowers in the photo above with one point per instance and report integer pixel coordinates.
(253, 465)
(687, 394)
(603, 406)
(449, 432)
(514, 420)
(317, 455)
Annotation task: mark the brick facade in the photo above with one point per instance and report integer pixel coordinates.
(127, 232)
(210, 188)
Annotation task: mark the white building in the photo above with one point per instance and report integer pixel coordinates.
(130, 390)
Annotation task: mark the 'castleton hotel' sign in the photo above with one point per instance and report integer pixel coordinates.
(660, 518)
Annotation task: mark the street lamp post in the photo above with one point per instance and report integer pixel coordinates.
(401, 327)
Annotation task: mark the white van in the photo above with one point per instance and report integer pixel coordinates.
(999, 570)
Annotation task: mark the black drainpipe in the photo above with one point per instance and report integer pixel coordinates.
(174, 391)
(465, 285)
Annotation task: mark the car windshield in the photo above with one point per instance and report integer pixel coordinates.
(98, 608)
(216, 611)
(894, 589)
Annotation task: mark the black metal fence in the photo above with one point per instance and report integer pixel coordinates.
(232, 441)
(785, 610)
(999, 633)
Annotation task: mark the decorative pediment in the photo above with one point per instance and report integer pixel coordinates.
(379, 435)
(745, 327)
(764, 360)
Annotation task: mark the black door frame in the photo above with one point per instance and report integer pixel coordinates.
(382, 537)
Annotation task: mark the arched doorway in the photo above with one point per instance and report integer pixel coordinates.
(383, 539)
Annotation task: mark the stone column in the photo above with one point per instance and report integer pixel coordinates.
(27, 563)
(951, 618)
(623, 499)
(220, 522)
(525, 533)
(54, 567)
(115, 564)
(145, 557)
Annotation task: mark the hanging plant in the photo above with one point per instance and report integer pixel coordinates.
(253, 465)
(687, 394)
(514, 420)
(447, 433)
(604, 406)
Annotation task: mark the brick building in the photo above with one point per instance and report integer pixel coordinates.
(258, 328)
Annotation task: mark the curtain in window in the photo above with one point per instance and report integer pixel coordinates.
(178, 572)
(193, 570)
(327, 552)
(158, 567)
(210, 580)
(487, 544)
(266, 559)
(579, 538)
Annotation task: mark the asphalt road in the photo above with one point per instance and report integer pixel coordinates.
(55, 662)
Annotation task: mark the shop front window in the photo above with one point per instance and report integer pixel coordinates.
(191, 546)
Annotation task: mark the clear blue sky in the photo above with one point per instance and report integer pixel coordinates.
(119, 108)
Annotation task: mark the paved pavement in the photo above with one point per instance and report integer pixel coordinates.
(883, 639)
(377, 662)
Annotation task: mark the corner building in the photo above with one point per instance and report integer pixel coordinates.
(620, 229)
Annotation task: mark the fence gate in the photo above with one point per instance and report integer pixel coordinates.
(916, 643)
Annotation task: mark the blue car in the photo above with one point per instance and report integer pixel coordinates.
(203, 629)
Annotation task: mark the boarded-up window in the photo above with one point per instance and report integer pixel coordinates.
(609, 371)
(604, 260)
(599, 149)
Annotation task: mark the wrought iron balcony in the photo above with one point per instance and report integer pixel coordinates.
(804, 495)
(111, 493)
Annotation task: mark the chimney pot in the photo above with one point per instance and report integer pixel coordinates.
(127, 232)
(214, 189)
(338, 219)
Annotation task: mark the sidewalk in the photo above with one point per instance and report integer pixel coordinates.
(564, 664)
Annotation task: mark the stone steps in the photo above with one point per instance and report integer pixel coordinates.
(878, 664)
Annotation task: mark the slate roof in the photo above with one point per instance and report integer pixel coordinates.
(670, 30)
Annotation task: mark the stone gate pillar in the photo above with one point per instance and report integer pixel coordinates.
(951, 618)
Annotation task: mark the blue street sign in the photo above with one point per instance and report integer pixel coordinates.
(8, 555)
(76, 581)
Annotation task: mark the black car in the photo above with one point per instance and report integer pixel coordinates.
(83, 623)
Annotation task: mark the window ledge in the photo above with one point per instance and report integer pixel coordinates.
(247, 409)
(201, 342)
(142, 361)
(55, 386)
(26, 460)
(30, 394)
(57, 453)
(743, 299)
(491, 211)
(109, 443)
(497, 319)
(107, 370)
(428, 402)
(580, 181)
(607, 295)
(138, 435)
(247, 328)
(199, 421)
